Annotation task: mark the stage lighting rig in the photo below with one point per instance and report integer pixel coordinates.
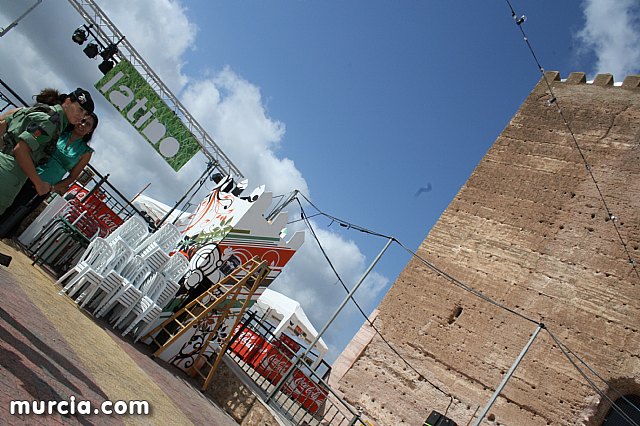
(96, 47)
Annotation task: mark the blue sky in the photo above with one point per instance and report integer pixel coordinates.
(357, 103)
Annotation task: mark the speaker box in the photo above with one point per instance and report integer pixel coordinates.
(437, 419)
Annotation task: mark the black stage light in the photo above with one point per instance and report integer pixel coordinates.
(109, 51)
(106, 66)
(79, 36)
(91, 50)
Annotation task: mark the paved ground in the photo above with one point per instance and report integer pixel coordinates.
(50, 350)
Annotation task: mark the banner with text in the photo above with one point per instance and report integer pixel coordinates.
(127, 90)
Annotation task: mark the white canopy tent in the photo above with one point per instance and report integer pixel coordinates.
(276, 308)
(157, 210)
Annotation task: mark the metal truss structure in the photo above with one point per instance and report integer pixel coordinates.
(108, 33)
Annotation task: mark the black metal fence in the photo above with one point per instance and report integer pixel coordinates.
(305, 398)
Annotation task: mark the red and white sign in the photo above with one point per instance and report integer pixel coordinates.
(272, 364)
(96, 208)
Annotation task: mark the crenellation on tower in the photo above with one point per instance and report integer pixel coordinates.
(631, 82)
(576, 78)
(603, 80)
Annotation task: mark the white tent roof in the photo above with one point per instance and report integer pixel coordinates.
(157, 210)
(290, 310)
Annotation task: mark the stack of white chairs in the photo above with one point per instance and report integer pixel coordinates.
(119, 244)
(133, 231)
(150, 306)
(176, 267)
(86, 285)
(128, 288)
(164, 239)
(128, 275)
(95, 258)
(100, 294)
(156, 247)
(157, 258)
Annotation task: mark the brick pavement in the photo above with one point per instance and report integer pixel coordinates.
(51, 350)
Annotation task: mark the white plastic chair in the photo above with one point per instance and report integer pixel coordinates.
(157, 259)
(86, 282)
(129, 291)
(164, 238)
(163, 288)
(147, 311)
(98, 293)
(176, 267)
(96, 256)
(133, 231)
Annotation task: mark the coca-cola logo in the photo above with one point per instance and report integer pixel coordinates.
(248, 340)
(275, 364)
(78, 193)
(108, 220)
(302, 386)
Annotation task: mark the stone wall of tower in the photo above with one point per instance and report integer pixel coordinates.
(530, 231)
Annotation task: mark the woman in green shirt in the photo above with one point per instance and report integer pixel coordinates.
(72, 154)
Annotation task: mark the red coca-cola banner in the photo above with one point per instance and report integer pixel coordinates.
(291, 344)
(251, 347)
(298, 386)
(272, 364)
(96, 208)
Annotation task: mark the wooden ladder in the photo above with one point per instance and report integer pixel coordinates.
(219, 298)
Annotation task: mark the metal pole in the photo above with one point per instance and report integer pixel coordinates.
(328, 323)
(15, 95)
(140, 193)
(292, 196)
(201, 180)
(95, 188)
(3, 31)
(506, 378)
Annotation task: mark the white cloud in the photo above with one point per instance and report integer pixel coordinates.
(612, 33)
(160, 31)
(231, 108)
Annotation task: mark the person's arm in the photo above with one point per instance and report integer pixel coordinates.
(62, 186)
(22, 153)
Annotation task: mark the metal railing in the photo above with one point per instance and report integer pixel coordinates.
(306, 398)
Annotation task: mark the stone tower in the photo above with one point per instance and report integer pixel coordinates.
(529, 230)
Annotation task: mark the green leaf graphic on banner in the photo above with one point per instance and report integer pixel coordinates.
(127, 90)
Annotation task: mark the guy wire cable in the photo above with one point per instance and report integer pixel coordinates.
(464, 286)
(346, 224)
(554, 100)
(455, 282)
(437, 270)
(593, 386)
(420, 375)
(595, 373)
(299, 220)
